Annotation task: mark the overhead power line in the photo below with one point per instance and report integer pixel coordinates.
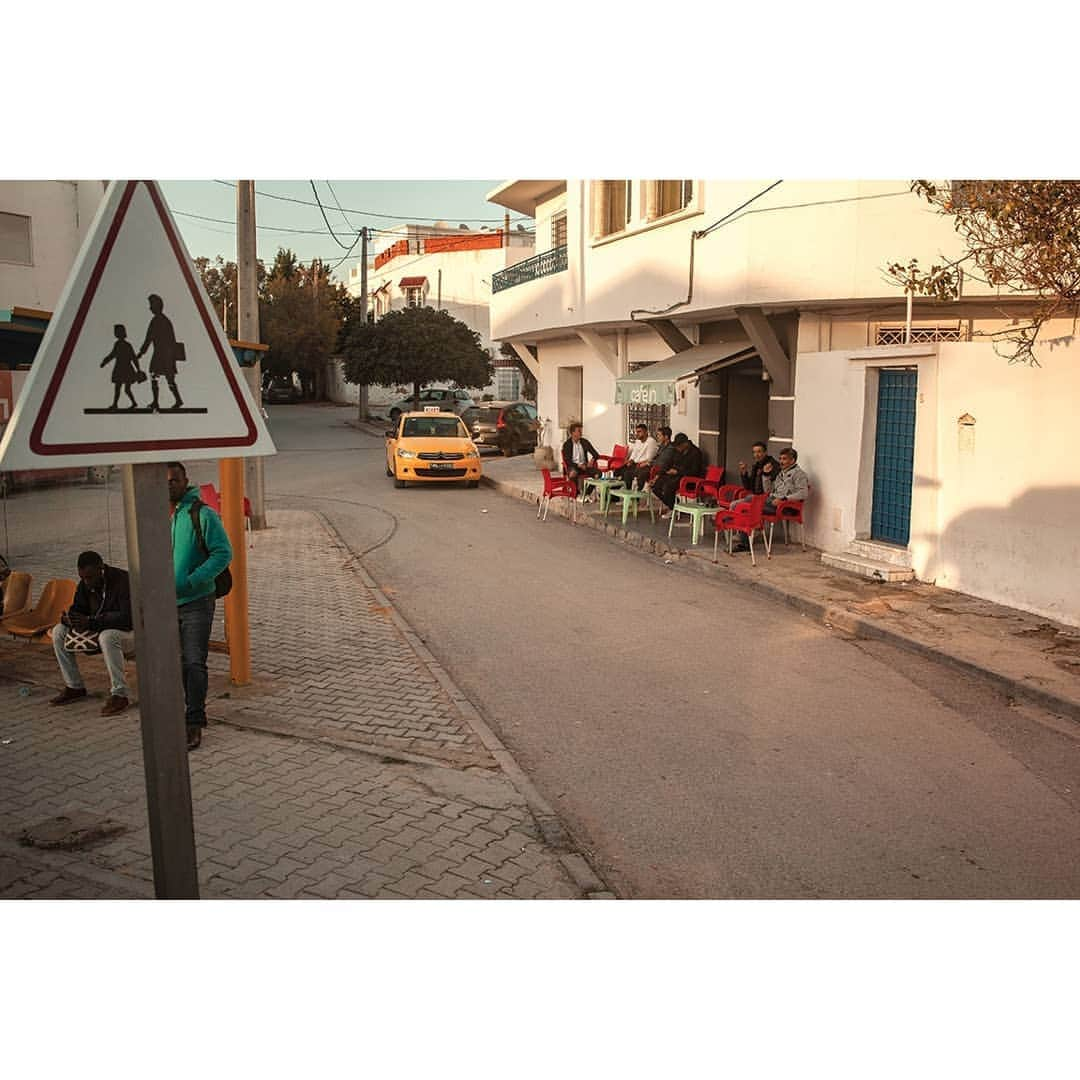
(363, 213)
(329, 227)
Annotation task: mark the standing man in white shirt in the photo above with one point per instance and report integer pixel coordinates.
(639, 462)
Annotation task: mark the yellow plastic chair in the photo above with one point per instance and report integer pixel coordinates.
(55, 599)
(17, 593)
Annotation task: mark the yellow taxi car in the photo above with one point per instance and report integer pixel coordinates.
(431, 446)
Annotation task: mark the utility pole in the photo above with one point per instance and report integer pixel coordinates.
(363, 392)
(247, 329)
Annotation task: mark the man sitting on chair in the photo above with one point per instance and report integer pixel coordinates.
(579, 456)
(102, 606)
(639, 462)
(666, 467)
(790, 482)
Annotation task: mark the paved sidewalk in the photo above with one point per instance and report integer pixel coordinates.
(352, 767)
(1026, 655)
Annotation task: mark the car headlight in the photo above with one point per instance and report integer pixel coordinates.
(406, 454)
(472, 452)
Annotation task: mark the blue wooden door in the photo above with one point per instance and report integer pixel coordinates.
(894, 456)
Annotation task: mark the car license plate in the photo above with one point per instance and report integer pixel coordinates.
(441, 465)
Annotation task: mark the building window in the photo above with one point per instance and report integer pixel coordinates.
(414, 296)
(652, 416)
(558, 230)
(611, 206)
(667, 197)
(15, 239)
(920, 335)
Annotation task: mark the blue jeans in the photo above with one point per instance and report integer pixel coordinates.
(196, 619)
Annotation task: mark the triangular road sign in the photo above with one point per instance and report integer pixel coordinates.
(134, 366)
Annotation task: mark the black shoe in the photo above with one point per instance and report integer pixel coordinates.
(194, 736)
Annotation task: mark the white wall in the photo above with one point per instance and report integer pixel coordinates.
(781, 251)
(996, 505)
(60, 213)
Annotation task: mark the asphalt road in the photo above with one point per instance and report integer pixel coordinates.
(700, 740)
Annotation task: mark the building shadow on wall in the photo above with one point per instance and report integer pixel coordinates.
(1024, 554)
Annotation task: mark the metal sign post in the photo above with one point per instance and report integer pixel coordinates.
(161, 698)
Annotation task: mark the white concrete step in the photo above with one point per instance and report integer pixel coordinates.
(893, 554)
(874, 569)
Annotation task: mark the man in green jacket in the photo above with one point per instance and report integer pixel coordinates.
(195, 566)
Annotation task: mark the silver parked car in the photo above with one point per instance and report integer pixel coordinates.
(455, 401)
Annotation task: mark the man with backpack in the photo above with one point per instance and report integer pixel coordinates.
(201, 555)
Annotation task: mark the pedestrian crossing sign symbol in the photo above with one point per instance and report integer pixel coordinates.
(134, 366)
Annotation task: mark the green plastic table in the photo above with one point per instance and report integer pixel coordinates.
(605, 485)
(696, 511)
(630, 496)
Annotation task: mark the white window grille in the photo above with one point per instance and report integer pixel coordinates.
(920, 335)
(414, 296)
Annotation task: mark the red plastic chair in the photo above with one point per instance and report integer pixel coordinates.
(789, 511)
(556, 487)
(728, 493)
(710, 486)
(744, 518)
(689, 487)
(209, 495)
(615, 460)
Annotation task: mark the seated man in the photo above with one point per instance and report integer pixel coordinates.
(788, 482)
(755, 478)
(102, 605)
(665, 465)
(688, 461)
(639, 461)
(579, 456)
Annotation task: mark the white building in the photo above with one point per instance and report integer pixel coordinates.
(446, 268)
(43, 224)
(738, 311)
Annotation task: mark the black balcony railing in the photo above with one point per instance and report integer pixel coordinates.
(547, 262)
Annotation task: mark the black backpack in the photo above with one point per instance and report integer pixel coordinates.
(223, 582)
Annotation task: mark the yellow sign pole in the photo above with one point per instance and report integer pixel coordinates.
(237, 628)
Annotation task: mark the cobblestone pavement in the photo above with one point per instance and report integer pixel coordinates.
(346, 770)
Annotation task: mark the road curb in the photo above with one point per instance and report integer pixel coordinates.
(554, 833)
(830, 615)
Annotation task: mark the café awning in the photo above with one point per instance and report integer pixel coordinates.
(655, 384)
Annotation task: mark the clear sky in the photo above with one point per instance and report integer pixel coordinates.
(376, 204)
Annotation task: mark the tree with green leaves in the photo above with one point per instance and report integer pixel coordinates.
(1021, 236)
(416, 345)
(300, 317)
(219, 281)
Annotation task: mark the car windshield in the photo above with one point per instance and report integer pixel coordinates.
(433, 427)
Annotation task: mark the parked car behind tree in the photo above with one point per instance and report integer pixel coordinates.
(455, 401)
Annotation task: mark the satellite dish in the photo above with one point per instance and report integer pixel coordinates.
(465, 227)
(521, 228)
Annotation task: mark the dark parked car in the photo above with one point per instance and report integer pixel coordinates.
(282, 392)
(509, 426)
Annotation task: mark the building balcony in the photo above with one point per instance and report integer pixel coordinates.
(547, 262)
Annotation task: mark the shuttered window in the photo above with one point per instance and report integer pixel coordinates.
(15, 239)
